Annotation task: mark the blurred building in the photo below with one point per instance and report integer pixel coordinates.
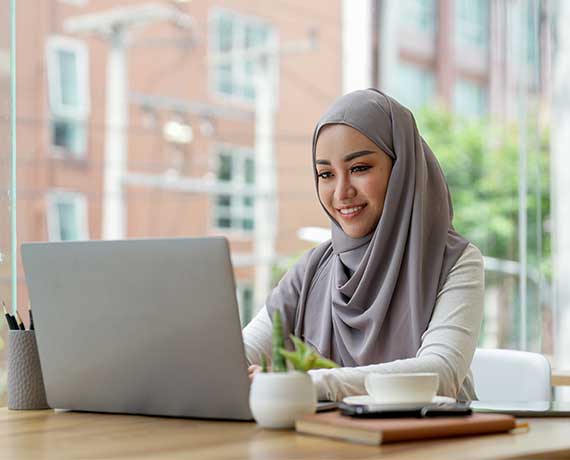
(189, 166)
(475, 58)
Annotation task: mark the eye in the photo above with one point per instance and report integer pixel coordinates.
(324, 175)
(359, 168)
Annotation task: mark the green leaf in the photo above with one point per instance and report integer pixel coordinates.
(304, 358)
(277, 358)
(292, 357)
(324, 363)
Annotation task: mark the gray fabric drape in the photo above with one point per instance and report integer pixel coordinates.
(369, 300)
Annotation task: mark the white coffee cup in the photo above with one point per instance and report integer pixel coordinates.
(402, 388)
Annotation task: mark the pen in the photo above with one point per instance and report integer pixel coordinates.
(19, 322)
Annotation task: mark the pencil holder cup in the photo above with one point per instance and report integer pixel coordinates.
(25, 382)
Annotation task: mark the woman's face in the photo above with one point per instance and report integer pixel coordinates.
(353, 176)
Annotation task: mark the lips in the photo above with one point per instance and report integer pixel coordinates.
(350, 212)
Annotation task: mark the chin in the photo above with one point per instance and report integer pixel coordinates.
(356, 233)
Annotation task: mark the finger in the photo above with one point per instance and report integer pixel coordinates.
(252, 370)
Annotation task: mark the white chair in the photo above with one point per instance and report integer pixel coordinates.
(510, 375)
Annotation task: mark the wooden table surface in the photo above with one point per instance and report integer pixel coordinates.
(66, 435)
(560, 378)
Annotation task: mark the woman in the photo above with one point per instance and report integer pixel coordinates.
(396, 289)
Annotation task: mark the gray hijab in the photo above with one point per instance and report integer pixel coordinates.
(368, 300)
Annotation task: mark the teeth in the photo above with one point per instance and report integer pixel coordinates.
(350, 210)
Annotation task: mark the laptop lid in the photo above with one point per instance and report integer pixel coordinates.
(139, 326)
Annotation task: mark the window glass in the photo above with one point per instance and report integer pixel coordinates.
(472, 23)
(233, 35)
(236, 170)
(249, 171)
(8, 263)
(68, 70)
(68, 95)
(416, 86)
(68, 134)
(67, 214)
(225, 168)
(470, 99)
(419, 14)
(67, 217)
(245, 299)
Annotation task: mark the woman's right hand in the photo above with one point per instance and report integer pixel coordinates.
(252, 370)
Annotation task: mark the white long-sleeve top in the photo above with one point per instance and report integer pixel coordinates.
(447, 346)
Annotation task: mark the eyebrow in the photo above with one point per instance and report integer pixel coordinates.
(348, 157)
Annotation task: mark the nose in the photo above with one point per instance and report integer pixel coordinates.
(344, 189)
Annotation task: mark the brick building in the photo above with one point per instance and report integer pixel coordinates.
(189, 163)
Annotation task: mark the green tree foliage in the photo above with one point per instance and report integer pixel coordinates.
(482, 169)
(277, 359)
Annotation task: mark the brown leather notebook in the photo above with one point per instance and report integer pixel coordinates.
(380, 431)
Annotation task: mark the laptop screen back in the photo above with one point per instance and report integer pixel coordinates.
(139, 326)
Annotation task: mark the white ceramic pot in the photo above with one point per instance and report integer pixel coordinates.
(276, 399)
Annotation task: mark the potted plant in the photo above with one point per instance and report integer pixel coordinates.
(278, 397)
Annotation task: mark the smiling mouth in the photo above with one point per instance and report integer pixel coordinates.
(349, 213)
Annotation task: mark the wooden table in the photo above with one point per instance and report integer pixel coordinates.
(65, 435)
(560, 378)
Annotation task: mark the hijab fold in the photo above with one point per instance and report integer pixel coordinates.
(368, 300)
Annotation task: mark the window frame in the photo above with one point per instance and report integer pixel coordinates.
(238, 188)
(54, 197)
(215, 58)
(62, 112)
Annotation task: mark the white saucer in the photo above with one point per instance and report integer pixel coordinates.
(367, 399)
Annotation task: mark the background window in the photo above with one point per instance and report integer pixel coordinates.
(469, 99)
(419, 14)
(67, 216)
(532, 35)
(68, 94)
(244, 294)
(472, 23)
(234, 207)
(232, 34)
(416, 86)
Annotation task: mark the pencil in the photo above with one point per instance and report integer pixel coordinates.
(11, 321)
(20, 322)
(6, 315)
(31, 317)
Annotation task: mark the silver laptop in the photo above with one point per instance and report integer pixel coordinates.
(139, 327)
(524, 408)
